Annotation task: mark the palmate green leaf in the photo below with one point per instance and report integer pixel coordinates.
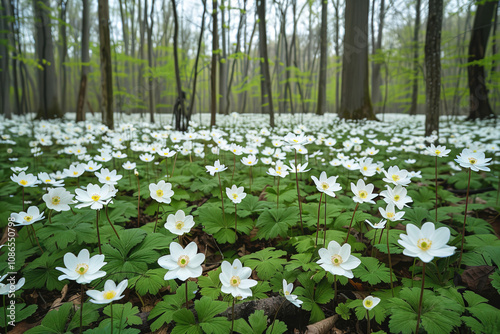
(343, 220)
(210, 284)
(122, 313)
(266, 262)
(204, 184)
(122, 211)
(310, 213)
(372, 271)
(149, 282)
(343, 310)
(185, 323)
(257, 324)
(260, 290)
(439, 314)
(59, 235)
(495, 280)
(484, 317)
(42, 272)
(90, 315)
(482, 249)
(313, 294)
(21, 311)
(302, 260)
(222, 229)
(394, 247)
(287, 194)
(423, 198)
(170, 304)
(378, 312)
(250, 205)
(416, 215)
(274, 222)
(54, 321)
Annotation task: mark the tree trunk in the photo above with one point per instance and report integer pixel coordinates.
(414, 91)
(321, 107)
(180, 109)
(150, 65)
(80, 113)
(106, 69)
(337, 54)
(237, 49)
(63, 50)
(200, 39)
(479, 103)
(355, 101)
(266, 94)
(377, 64)
(4, 62)
(213, 75)
(433, 66)
(48, 106)
(223, 63)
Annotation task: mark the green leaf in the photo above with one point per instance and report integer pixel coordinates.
(343, 310)
(149, 282)
(210, 284)
(265, 262)
(185, 322)
(42, 272)
(21, 312)
(123, 311)
(274, 222)
(54, 321)
(372, 271)
(90, 315)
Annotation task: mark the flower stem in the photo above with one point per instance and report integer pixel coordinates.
(36, 238)
(5, 315)
(50, 216)
(436, 204)
(335, 290)
(373, 243)
(298, 193)
(235, 222)
(276, 314)
(251, 179)
(465, 219)
(138, 201)
(389, 256)
(98, 235)
(221, 197)
(81, 307)
(23, 197)
(324, 227)
(278, 193)
(234, 167)
(187, 298)
(421, 298)
(110, 223)
(350, 224)
(157, 212)
(173, 168)
(368, 331)
(232, 317)
(166, 167)
(317, 224)
(111, 310)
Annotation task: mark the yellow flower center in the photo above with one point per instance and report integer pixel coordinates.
(438, 152)
(337, 260)
(235, 196)
(159, 193)
(82, 268)
(216, 168)
(368, 303)
(424, 244)
(235, 281)
(473, 160)
(48, 180)
(395, 177)
(23, 182)
(249, 162)
(179, 224)
(91, 168)
(109, 294)
(287, 293)
(28, 218)
(363, 194)
(325, 185)
(56, 200)
(183, 261)
(95, 197)
(397, 198)
(108, 178)
(75, 173)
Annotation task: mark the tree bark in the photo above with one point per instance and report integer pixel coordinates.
(414, 90)
(321, 107)
(479, 103)
(179, 125)
(80, 113)
(48, 106)
(266, 93)
(213, 74)
(377, 64)
(63, 51)
(223, 63)
(106, 69)
(355, 102)
(200, 39)
(433, 66)
(4, 61)
(150, 65)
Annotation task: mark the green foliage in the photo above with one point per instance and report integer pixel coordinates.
(222, 228)
(274, 222)
(266, 262)
(42, 272)
(372, 271)
(21, 312)
(257, 324)
(313, 295)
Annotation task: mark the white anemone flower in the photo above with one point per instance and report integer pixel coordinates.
(363, 193)
(338, 260)
(29, 217)
(326, 184)
(235, 279)
(287, 291)
(58, 199)
(110, 293)
(236, 194)
(476, 161)
(82, 268)
(182, 263)
(95, 196)
(426, 243)
(108, 177)
(398, 196)
(370, 302)
(216, 168)
(179, 223)
(161, 192)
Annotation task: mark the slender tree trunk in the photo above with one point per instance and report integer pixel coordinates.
(200, 39)
(106, 67)
(16, 39)
(414, 92)
(180, 93)
(321, 106)
(150, 65)
(337, 54)
(377, 64)
(213, 75)
(80, 108)
(246, 68)
(63, 51)
(355, 102)
(433, 66)
(223, 63)
(479, 103)
(4, 61)
(266, 95)
(47, 79)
